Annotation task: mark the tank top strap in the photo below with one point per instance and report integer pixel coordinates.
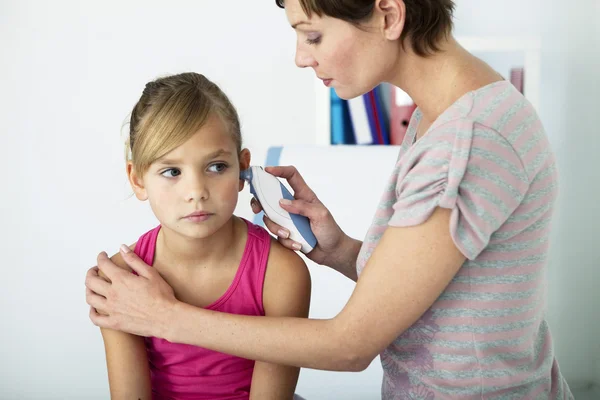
(252, 277)
(146, 245)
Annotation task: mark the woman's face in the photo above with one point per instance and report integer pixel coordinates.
(352, 60)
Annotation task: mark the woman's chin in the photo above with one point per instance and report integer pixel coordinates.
(347, 93)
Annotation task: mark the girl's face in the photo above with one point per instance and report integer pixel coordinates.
(193, 190)
(352, 60)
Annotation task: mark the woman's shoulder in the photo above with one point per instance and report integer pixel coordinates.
(498, 106)
(493, 122)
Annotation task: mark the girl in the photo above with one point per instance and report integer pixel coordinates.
(185, 158)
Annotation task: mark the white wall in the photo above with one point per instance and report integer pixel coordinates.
(69, 73)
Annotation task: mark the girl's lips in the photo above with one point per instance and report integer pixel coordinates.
(198, 216)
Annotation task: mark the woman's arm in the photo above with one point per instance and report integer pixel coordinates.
(286, 293)
(126, 360)
(406, 273)
(345, 263)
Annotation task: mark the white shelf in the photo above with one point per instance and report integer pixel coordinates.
(529, 46)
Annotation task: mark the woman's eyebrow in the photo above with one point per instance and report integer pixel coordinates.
(294, 26)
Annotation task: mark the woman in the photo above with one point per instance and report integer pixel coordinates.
(450, 275)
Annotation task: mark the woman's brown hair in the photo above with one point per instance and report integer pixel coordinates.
(427, 21)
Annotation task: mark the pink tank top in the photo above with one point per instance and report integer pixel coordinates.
(181, 371)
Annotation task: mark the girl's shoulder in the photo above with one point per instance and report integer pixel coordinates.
(287, 284)
(281, 260)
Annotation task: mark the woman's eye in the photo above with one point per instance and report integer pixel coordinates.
(171, 173)
(313, 39)
(219, 167)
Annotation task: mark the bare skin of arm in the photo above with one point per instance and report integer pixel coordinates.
(286, 293)
(126, 359)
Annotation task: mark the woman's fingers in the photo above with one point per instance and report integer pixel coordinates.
(95, 300)
(282, 234)
(275, 229)
(108, 268)
(136, 263)
(291, 174)
(313, 211)
(98, 318)
(255, 205)
(289, 243)
(96, 284)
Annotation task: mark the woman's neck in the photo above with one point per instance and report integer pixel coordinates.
(437, 81)
(189, 252)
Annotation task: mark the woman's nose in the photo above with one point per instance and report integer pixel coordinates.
(304, 58)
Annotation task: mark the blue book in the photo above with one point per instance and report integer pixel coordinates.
(341, 125)
(376, 115)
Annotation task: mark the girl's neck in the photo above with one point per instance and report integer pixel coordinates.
(188, 252)
(439, 80)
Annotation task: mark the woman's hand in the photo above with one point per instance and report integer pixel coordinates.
(330, 237)
(138, 304)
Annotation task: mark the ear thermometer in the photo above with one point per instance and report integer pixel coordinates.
(268, 190)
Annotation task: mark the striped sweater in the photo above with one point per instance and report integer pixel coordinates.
(487, 159)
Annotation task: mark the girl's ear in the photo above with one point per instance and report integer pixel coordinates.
(244, 164)
(136, 182)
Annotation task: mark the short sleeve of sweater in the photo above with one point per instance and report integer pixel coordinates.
(467, 168)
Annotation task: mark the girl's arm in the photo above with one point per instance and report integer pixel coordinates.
(126, 359)
(286, 293)
(127, 364)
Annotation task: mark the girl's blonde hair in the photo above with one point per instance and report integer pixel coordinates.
(171, 110)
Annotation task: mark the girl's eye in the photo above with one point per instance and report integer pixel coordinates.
(218, 167)
(313, 39)
(171, 173)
